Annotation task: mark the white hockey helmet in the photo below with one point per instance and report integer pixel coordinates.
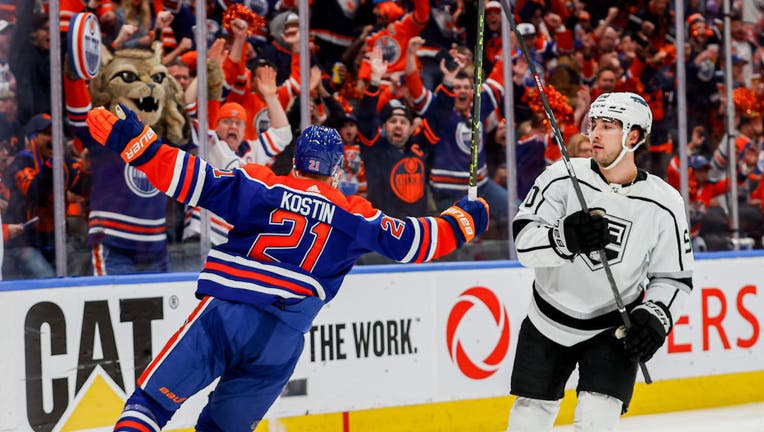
(628, 108)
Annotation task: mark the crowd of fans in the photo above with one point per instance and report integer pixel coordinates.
(396, 79)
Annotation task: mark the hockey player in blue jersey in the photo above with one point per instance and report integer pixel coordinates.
(294, 238)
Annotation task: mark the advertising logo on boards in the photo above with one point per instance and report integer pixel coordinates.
(487, 303)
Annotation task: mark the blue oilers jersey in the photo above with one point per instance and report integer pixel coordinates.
(126, 210)
(450, 160)
(293, 239)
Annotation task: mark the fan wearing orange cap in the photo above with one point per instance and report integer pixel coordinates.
(231, 124)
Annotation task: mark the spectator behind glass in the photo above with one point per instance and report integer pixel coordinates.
(702, 194)
(579, 146)
(181, 72)
(701, 66)
(607, 77)
(749, 131)
(241, 81)
(231, 123)
(13, 131)
(7, 155)
(654, 21)
(7, 80)
(32, 255)
(10, 231)
(393, 34)
(30, 62)
(450, 160)
(353, 181)
(134, 19)
(394, 156)
(334, 26)
(492, 36)
(742, 46)
(285, 31)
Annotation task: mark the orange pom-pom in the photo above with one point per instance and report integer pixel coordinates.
(255, 22)
(563, 112)
(745, 102)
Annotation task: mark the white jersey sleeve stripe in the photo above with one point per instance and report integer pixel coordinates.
(179, 160)
(411, 254)
(201, 174)
(677, 234)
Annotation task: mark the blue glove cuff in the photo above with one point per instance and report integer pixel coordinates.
(455, 228)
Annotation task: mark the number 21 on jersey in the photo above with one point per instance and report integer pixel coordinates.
(295, 244)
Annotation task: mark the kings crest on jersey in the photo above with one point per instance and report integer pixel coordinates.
(649, 251)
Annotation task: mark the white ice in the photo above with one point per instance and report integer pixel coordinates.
(738, 418)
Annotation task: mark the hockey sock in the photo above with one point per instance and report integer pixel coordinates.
(142, 414)
(532, 415)
(596, 412)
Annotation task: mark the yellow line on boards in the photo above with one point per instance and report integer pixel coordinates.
(491, 414)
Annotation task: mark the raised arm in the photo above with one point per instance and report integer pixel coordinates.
(279, 134)
(179, 174)
(265, 82)
(368, 120)
(416, 240)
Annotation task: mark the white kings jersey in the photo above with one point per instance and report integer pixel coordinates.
(649, 251)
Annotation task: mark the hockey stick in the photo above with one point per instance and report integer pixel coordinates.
(571, 172)
(476, 131)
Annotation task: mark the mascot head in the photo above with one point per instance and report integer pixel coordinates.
(137, 78)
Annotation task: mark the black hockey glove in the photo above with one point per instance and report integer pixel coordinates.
(650, 323)
(580, 232)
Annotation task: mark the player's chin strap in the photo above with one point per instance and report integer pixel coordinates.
(625, 149)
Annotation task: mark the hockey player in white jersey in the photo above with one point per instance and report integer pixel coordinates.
(640, 222)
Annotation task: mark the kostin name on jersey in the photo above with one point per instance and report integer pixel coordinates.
(306, 206)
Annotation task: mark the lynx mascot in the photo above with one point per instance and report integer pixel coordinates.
(127, 220)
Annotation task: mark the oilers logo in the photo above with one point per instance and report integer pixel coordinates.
(619, 235)
(84, 45)
(463, 137)
(407, 179)
(391, 51)
(138, 183)
(262, 121)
